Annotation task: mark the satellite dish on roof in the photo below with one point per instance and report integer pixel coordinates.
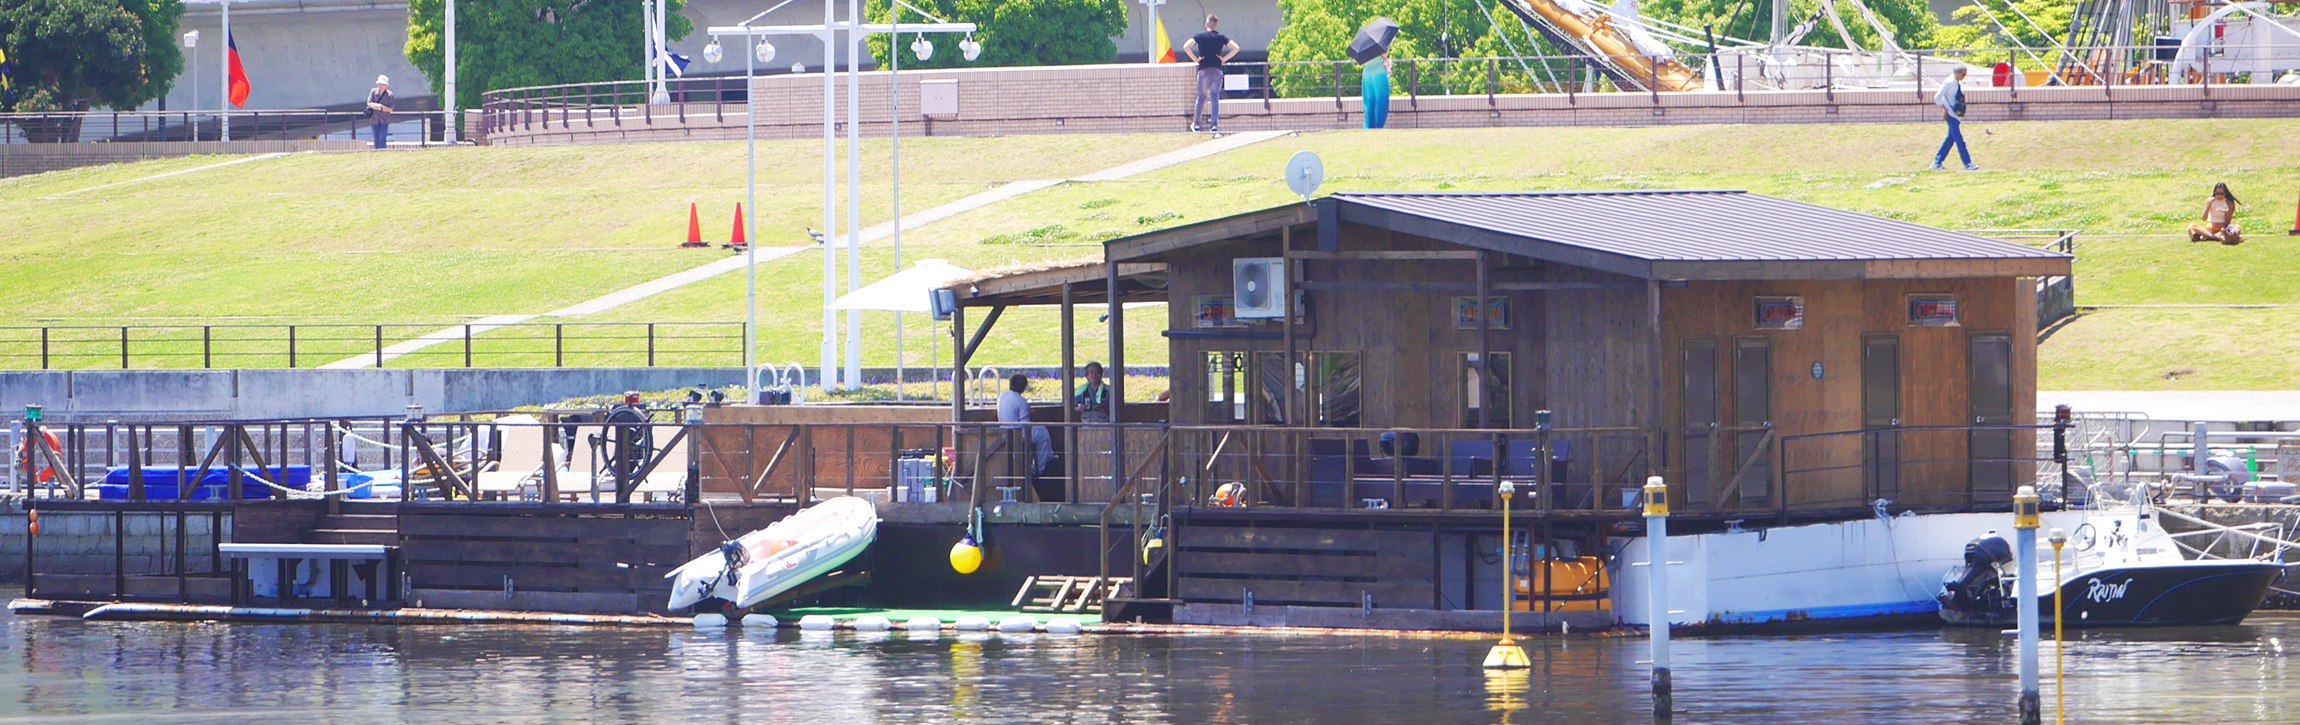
(1304, 172)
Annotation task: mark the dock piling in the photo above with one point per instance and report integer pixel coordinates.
(2024, 551)
(1657, 593)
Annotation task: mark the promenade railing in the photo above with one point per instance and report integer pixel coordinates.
(531, 344)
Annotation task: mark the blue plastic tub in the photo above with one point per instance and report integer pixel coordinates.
(161, 483)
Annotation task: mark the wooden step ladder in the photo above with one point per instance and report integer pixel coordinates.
(1074, 594)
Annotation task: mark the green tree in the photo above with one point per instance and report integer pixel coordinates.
(1015, 32)
(1986, 29)
(1320, 30)
(1912, 21)
(516, 43)
(72, 55)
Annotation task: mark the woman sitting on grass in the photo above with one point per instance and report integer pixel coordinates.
(2218, 214)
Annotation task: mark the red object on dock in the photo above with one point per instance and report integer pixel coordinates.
(694, 229)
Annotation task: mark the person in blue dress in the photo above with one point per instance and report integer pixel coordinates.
(1374, 91)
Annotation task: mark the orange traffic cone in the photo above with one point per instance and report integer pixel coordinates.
(694, 229)
(2295, 224)
(738, 244)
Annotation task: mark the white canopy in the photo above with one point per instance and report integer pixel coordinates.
(904, 291)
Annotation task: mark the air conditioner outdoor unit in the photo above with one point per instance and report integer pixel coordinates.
(1258, 286)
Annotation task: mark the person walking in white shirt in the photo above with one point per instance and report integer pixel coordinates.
(1951, 99)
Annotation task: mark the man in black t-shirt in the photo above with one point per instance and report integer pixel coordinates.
(1209, 50)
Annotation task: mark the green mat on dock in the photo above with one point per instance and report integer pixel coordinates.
(898, 616)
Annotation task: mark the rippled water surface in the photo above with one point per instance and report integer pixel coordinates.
(61, 670)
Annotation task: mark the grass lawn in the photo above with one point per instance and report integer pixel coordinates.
(436, 236)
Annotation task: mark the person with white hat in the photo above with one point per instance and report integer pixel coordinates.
(379, 109)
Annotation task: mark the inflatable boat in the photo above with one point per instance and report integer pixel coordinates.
(772, 560)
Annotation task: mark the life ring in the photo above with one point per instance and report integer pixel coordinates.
(42, 473)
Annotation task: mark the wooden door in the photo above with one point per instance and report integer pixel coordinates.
(1881, 412)
(1752, 407)
(1697, 438)
(1990, 397)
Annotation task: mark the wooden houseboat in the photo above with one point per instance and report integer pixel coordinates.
(1343, 406)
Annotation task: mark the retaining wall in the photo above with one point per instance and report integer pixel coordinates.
(1157, 98)
(22, 159)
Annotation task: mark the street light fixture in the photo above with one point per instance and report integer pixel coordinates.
(828, 33)
(712, 53)
(191, 42)
(922, 48)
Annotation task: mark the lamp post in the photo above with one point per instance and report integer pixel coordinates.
(224, 100)
(454, 123)
(1506, 653)
(828, 34)
(192, 43)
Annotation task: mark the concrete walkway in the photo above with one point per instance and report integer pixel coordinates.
(869, 235)
(233, 162)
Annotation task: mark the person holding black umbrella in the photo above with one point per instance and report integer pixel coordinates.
(1371, 48)
(1209, 50)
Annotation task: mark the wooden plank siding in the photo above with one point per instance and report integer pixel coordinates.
(1307, 566)
(1410, 352)
(1838, 315)
(606, 558)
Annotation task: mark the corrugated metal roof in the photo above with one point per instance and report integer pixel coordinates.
(1696, 226)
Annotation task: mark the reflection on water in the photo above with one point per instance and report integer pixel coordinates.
(55, 670)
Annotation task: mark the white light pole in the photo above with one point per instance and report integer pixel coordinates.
(454, 122)
(1150, 34)
(224, 102)
(192, 43)
(827, 33)
(854, 194)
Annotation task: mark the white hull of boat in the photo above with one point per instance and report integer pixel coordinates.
(1847, 570)
(815, 541)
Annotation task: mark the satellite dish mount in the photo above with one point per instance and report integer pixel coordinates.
(1304, 172)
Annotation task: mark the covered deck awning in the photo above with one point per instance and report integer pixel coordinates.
(1067, 284)
(1087, 279)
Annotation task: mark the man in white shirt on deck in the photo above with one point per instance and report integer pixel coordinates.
(1951, 99)
(1014, 415)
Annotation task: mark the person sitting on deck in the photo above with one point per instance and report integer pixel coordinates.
(2219, 213)
(1013, 412)
(1093, 398)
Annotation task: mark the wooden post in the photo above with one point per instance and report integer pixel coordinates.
(957, 367)
(135, 467)
(1069, 383)
(1653, 375)
(1484, 356)
(1116, 375)
(328, 458)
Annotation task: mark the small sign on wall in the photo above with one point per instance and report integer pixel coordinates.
(1780, 313)
(1932, 310)
(1218, 312)
(1465, 313)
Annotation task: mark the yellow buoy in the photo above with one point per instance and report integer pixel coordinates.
(965, 556)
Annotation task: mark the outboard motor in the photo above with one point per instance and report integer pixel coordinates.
(1976, 588)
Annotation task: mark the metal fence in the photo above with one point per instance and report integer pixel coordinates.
(555, 344)
(418, 128)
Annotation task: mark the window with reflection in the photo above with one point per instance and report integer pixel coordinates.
(1334, 383)
(1475, 396)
